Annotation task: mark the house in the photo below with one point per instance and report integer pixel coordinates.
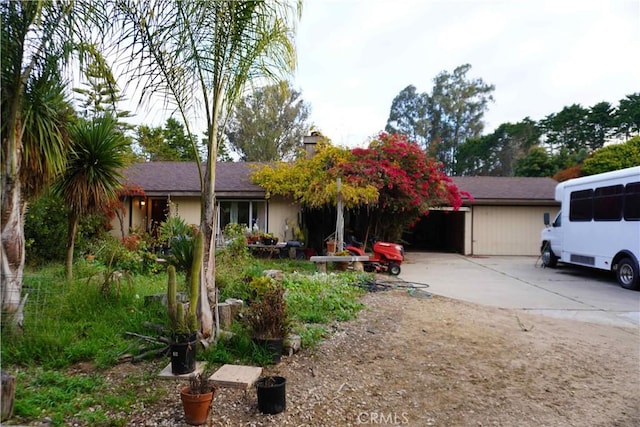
(504, 217)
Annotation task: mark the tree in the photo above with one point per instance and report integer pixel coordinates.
(91, 178)
(627, 116)
(496, 154)
(408, 115)
(536, 163)
(600, 124)
(613, 157)
(151, 143)
(170, 143)
(566, 129)
(392, 178)
(199, 56)
(38, 39)
(268, 124)
(178, 141)
(447, 117)
(102, 94)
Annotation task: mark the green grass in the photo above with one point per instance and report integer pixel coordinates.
(68, 323)
(47, 393)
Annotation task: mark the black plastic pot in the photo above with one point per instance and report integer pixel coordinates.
(272, 397)
(274, 346)
(183, 356)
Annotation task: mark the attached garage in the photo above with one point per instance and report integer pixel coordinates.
(506, 230)
(504, 218)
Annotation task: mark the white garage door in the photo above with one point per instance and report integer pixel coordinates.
(508, 230)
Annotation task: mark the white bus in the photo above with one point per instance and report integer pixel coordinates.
(598, 225)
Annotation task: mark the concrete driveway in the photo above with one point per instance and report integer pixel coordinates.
(521, 283)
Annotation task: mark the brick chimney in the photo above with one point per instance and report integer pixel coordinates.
(310, 142)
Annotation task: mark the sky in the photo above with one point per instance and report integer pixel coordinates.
(355, 56)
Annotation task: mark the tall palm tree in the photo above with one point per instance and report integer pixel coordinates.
(37, 40)
(92, 178)
(199, 55)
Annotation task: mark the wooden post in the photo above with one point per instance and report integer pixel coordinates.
(322, 267)
(236, 306)
(8, 395)
(224, 310)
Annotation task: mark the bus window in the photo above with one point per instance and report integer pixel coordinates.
(632, 202)
(581, 206)
(607, 203)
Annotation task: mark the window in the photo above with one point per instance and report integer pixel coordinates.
(607, 203)
(632, 202)
(243, 212)
(581, 206)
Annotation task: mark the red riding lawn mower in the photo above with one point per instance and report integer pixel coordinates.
(386, 256)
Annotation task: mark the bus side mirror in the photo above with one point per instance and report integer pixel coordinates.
(547, 220)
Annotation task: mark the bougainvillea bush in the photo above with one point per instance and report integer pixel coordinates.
(408, 182)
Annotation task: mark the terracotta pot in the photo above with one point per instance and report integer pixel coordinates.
(196, 406)
(342, 266)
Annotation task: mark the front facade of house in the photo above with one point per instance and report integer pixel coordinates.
(504, 217)
(173, 189)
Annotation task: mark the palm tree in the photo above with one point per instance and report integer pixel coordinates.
(92, 178)
(199, 56)
(37, 40)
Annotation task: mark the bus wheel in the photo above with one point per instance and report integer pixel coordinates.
(548, 258)
(627, 274)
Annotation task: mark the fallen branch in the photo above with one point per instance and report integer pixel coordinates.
(152, 352)
(162, 340)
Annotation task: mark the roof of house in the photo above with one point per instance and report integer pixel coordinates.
(233, 180)
(513, 189)
(162, 178)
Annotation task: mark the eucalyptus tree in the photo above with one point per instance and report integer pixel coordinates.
(268, 124)
(408, 115)
(198, 55)
(456, 109)
(91, 179)
(444, 119)
(38, 39)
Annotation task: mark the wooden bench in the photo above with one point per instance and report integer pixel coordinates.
(321, 261)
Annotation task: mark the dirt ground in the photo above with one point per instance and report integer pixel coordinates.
(436, 362)
(441, 362)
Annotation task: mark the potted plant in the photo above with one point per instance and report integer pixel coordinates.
(196, 399)
(271, 392)
(183, 325)
(266, 315)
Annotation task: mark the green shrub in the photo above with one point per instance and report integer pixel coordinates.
(322, 298)
(45, 230)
